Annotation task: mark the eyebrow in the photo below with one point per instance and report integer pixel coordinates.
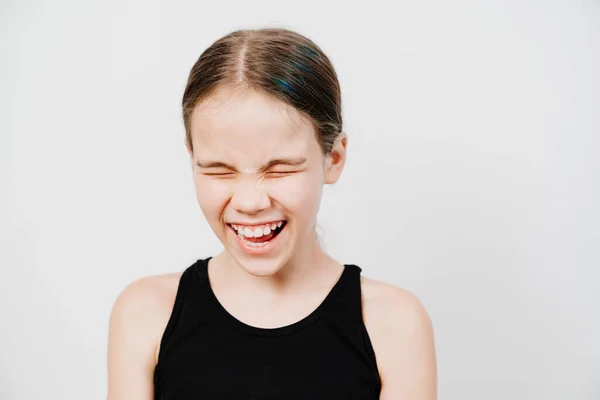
(293, 162)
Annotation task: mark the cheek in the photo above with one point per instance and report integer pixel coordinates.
(299, 194)
(212, 195)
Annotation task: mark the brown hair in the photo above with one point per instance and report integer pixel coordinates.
(276, 61)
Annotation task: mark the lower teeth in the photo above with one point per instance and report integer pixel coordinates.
(253, 244)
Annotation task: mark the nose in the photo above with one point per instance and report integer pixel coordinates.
(249, 197)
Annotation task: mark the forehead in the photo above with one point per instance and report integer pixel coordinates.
(249, 126)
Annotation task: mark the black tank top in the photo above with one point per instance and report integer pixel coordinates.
(206, 353)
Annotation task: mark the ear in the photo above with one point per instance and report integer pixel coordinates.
(336, 159)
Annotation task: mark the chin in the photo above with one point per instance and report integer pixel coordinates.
(260, 267)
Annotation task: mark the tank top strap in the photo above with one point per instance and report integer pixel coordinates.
(201, 293)
(344, 314)
(344, 301)
(189, 309)
(201, 270)
(175, 317)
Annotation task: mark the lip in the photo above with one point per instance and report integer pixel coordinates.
(274, 221)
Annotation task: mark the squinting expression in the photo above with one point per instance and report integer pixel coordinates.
(258, 170)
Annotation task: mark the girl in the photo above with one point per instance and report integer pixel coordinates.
(272, 316)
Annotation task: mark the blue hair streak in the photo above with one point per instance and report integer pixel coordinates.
(283, 84)
(301, 66)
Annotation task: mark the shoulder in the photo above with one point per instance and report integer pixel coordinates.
(401, 333)
(392, 306)
(148, 295)
(142, 310)
(138, 318)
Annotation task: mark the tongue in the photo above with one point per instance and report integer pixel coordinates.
(264, 238)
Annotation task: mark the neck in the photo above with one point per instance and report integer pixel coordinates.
(308, 263)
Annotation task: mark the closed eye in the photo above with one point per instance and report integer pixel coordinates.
(222, 174)
(279, 174)
(271, 174)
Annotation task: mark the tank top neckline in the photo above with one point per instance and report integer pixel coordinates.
(312, 317)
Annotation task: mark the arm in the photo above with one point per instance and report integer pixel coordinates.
(134, 332)
(404, 345)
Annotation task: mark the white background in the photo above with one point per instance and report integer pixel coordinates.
(472, 179)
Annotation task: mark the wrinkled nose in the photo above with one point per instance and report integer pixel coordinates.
(250, 197)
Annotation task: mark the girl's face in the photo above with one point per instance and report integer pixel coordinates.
(259, 173)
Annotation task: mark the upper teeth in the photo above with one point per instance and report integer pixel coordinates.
(256, 231)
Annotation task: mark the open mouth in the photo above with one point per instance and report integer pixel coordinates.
(258, 236)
